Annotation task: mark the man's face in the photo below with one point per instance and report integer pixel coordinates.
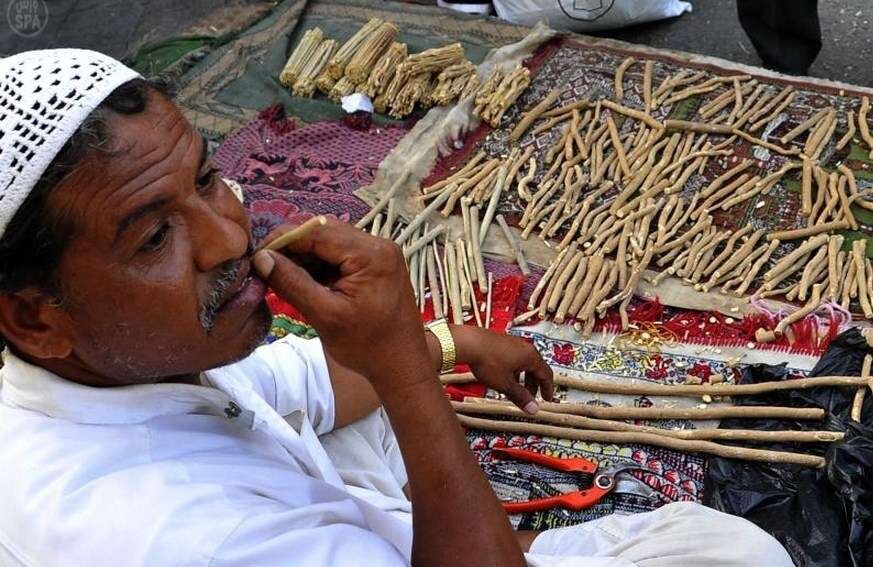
(157, 280)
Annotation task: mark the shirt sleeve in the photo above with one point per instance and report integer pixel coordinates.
(268, 540)
(291, 374)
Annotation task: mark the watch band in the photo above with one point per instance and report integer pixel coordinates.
(440, 330)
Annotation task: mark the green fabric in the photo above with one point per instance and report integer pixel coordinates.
(155, 58)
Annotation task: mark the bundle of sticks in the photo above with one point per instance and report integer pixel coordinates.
(372, 62)
(603, 424)
(499, 92)
(612, 186)
(452, 272)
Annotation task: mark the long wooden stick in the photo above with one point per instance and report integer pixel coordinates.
(705, 434)
(706, 447)
(295, 233)
(638, 388)
(858, 402)
(533, 114)
(383, 202)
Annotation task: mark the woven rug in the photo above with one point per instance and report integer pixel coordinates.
(674, 476)
(228, 87)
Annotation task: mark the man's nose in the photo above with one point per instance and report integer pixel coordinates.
(216, 238)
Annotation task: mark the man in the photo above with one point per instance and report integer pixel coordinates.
(139, 427)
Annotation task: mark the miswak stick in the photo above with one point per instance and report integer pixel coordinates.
(422, 276)
(464, 187)
(812, 305)
(475, 247)
(470, 288)
(525, 181)
(488, 300)
(433, 279)
(560, 287)
(858, 402)
(295, 234)
(514, 245)
(845, 205)
(859, 254)
(546, 277)
(422, 217)
(850, 130)
(390, 219)
(383, 202)
(533, 115)
(821, 183)
(810, 271)
(376, 228)
(468, 167)
(765, 144)
(814, 139)
(549, 124)
(636, 114)
(619, 76)
(570, 291)
(849, 281)
(772, 109)
(706, 447)
(507, 409)
(809, 230)
(464, 284)
(454, 284)
(616, 144)
(835, 242)
(465, 223)
(428, 236)
(737, 185)
(728, 250)
(730, 173)
(756, 268)
(803, 126)
(523, 159)
(550, 289)
(586, 287)
(492, 204)
(806, 187)
(647, 85)
(863, 127)
(604, 285)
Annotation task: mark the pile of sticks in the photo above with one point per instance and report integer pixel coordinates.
(602, 424)
(611, 186)
(374, 63)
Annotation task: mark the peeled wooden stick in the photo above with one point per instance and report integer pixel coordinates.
(858, 402)
(507, 409)
(859, 254)
(534, 114)
(619, 76)
(706, 447)
(513, 244)
(640, 388)
(492, 203)
(850, 130)
(647, 84)
(488, 301)
(812, 305)
(419, 243)
(863, 127)
(547, 276)
(617, 146)
(804, 126)
(479, 264)
(422, 217)
(433, 279)
(650, 122)
(383, 202)
(808, 231)
(295, 233)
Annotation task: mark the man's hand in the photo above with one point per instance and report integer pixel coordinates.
(498, 361)
(361, 304)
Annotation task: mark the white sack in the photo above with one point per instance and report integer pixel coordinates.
(588, 15)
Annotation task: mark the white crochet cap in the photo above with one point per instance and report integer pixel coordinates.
(44, 97)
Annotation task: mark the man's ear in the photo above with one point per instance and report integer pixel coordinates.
(34, 324)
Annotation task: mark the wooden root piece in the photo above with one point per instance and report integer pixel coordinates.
(507, 409)
(863, 127)
(533, 115)
(514, 245)
(648, 389)
(619, 76)
(706, 447)
(809, 230)
(858, 402)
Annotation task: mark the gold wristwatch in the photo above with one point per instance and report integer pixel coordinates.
(440, 330)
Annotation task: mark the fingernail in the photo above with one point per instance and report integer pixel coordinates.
(264, 263)
(531, 408)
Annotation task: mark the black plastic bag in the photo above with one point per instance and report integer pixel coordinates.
(824, 518)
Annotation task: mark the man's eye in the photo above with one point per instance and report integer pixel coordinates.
(157, 239)
(204, 181)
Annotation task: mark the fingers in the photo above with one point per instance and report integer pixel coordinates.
(540, 374)
(520, 396)
(294, 284)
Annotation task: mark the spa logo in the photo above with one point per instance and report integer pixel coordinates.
(27, 18)
(585, 10)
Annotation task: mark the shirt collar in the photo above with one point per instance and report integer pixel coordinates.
(31, 387)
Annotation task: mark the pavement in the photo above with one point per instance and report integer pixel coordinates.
(117, 27)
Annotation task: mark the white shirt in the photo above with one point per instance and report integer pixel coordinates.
(174, 474)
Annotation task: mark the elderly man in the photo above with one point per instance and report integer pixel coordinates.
(141, 426)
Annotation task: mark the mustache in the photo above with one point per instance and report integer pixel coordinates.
(228, 275)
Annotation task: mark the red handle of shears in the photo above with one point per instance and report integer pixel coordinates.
(579, 500)
(570, 465)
